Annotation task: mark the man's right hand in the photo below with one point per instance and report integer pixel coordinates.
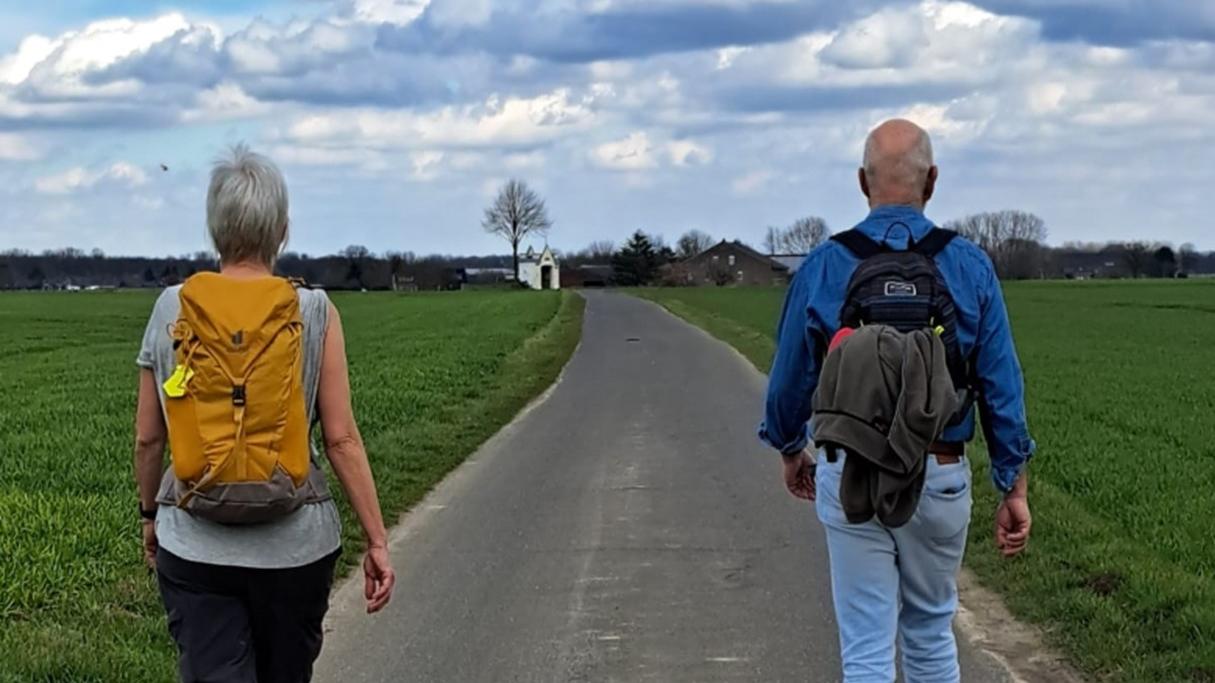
(799, 475)
(1013, 520)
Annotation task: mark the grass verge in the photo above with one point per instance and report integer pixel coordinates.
(1121, 571)
(433, 376)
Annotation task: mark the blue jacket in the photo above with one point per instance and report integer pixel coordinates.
(811, 318)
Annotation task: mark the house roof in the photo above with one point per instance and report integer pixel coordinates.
(533, 257)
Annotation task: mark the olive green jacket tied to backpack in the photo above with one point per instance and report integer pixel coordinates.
(883, 397)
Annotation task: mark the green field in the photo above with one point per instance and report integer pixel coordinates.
(1121, 396)
(433, 376)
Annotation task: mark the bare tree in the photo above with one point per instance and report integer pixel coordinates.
(1013, 239)
(1136, 256)
(805, 234)
(772, 240)
(601, 251)
(355, 255)
(1187, 257)
(692, 243)
(516, 212)
(800, 238)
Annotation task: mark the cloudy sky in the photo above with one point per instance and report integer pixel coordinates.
(395, 120)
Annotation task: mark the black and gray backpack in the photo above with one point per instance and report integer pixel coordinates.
(904, 289)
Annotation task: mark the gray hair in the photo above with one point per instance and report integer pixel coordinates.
(902, 170)
(246, 207)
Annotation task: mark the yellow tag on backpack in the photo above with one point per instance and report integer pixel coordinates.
(238, 428)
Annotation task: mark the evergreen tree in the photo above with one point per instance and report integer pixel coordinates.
(637, 262)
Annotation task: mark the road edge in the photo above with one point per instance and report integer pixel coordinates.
(347, 590)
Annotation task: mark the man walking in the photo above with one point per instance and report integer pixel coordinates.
(896, 509)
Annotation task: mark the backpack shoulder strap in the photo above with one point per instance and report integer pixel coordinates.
(858, 243)
(934, 242)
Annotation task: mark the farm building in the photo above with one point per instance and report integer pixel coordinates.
(588, 275)
(540, 271)
(734, 263)
(790, 261)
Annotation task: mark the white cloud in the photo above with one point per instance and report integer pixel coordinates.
(688, 153)
(60, 67)
(325, 156)
(295, 48)
(499, 122)
(79, 178)
(932, 42)
(888, 39)
(524, 160)
(400, 12)
(456, 13)
(16, 148)
(16, 67)
(942, 125)
(727, 55)
(633, 153)
(224, 102)
(636, 152)
(426, 164)
(751, 183)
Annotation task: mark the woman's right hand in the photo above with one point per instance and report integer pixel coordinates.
(344, 447)
(379, 578)
(150, 545)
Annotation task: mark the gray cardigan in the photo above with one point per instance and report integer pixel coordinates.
(883, 397)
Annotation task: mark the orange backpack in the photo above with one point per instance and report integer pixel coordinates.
(238, 427)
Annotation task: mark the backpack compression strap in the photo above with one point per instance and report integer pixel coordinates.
(858, 243)
(934, 242)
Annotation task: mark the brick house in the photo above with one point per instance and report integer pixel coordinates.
(733, 263)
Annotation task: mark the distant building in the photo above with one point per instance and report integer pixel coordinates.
(489, 276)
(734, 263)
(588, 275)
(790, 261)
(539, 271)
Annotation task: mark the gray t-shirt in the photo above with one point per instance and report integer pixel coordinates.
(306, 535)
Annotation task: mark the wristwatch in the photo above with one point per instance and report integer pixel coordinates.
(149, 515)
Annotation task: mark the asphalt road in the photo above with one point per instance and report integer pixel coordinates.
(629, 527)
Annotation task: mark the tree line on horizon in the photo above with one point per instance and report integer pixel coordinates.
(1015, 241)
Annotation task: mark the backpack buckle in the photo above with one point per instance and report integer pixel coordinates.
(238, 395)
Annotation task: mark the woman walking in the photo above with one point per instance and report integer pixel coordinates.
(236, 367)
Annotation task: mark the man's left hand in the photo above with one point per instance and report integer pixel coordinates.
(799, 475)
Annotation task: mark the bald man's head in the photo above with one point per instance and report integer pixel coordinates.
(898, 167)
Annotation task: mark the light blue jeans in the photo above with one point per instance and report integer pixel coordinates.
(899, 584)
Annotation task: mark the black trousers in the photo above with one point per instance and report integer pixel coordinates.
(241, 625)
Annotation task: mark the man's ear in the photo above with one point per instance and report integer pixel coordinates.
(864, 182)
(931, 185)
